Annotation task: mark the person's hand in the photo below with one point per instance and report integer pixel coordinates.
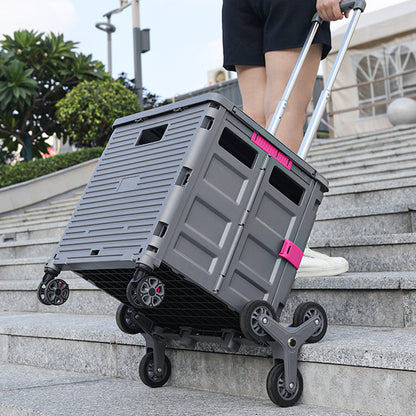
(329, 10)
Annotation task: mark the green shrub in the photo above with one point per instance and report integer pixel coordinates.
(10, 175)
(88, 112)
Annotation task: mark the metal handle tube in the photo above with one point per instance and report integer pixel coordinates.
(278, 114)
(346, 5)
(325, 94)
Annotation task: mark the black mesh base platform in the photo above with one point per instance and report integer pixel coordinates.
(185, 304)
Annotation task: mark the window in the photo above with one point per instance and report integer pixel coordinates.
(369, 70)
(400, 61)
(383, 75)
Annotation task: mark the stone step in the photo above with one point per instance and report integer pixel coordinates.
(73, 199)
(367, 299)
(37, 218)
(380, 299)
(338, 168)
(26, 268)
(375, 368)
(370, 220)
(376, 253)
(41, 211)
(392, 191)
(361, 177)
(28, 248)
(330, 167)
(56, 204)
(402, 164)
(33, 232)
(27, 391)
(85, 299)
(323, 149)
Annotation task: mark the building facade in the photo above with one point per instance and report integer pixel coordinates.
(379, 67)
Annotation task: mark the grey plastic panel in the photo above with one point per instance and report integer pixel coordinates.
(208, 223)
(185, 188)
(257, 271)
(128, 190)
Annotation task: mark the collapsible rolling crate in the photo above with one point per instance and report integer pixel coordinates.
(196, 219)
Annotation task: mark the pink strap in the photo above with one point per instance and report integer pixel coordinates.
(271, 150)
(292, 253)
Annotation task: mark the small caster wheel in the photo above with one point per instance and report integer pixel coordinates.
(249, 320)
(56, 292)
(41, 294)
(311, 310)
(276, 388)
(125, 319)
(150, 376)
(149, 292)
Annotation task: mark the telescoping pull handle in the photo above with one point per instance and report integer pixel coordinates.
(352, 5)
(346, 5)
(358, 6)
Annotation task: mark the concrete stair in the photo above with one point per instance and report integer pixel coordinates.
(365, 363)
(93, 345)
(368, 216)
(30, 391)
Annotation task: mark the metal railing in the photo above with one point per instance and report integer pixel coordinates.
(376, 103)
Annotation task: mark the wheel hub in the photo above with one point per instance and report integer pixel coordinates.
(56, 292)
(149, 291)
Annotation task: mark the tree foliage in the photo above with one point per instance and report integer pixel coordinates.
(36, 71)
(150, 100)
(88, 112)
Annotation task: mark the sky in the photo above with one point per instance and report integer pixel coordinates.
(185, 35)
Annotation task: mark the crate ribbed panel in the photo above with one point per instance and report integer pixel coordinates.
(127, 191)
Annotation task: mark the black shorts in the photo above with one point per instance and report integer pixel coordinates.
(250, 28)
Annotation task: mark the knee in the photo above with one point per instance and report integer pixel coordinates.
(257, 114)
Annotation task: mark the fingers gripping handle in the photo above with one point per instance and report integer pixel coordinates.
(352, 4)
(345, 6)
(323, 98)
(358, 6)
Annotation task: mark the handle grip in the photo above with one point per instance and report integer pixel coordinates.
(352, 4)
(345, 6)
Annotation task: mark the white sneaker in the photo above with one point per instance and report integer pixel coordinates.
(316, 264)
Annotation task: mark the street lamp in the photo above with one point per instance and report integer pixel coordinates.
(141, 42)
(109, 29)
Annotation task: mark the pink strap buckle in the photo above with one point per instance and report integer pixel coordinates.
(271, 150)
(292, 253)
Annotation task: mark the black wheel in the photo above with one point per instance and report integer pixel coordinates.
(125, 319)
(311, 310)
(249, 320)
(148, 373)
(276, 388)
(56, 292)
(149, 292)
(41, 294)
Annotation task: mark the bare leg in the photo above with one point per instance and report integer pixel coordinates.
(261, 89)
(252, 83)
(279, 66)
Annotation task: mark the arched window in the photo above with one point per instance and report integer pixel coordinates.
(369, 69)
(384, 75)
(399, 61)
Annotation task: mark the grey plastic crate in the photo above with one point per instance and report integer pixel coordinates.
(200, 194)
(196, 219)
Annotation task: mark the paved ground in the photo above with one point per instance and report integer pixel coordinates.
(29, 391)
